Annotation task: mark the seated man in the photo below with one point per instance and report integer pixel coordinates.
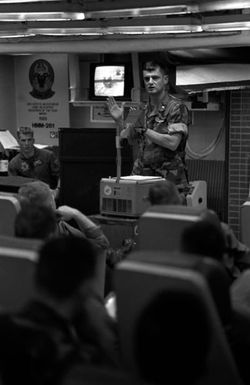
(237, 254)
(205, 238)
(65, 324)
(32, 162)
(38, 193)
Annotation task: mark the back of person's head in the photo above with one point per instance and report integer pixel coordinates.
(204, 237)
(36, 193)
(24, 130)
(164, 193)
(210, 216)
(34, 221)
(172, 339)
(64, 264)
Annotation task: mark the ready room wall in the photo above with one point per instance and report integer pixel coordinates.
(203, 131)
(7, 94)
(207, 135)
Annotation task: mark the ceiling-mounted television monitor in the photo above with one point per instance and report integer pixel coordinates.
(110, 79)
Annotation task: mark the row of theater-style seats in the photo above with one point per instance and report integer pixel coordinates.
(139, 279)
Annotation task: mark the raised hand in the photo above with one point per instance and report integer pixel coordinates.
(115, 111)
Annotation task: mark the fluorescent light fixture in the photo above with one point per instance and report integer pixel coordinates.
(154, 29)
(41, 16)
(222, 5)
(11, 35)
(227, 27)
(186, 7)
(66, 31)
(140, 12)
(28, 1)
(56, 28)
(239, 22)
(124, 30)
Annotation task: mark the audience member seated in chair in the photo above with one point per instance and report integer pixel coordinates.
(205, 238)
(68, 310)
(39, 193)
(237, 254)
(33, 162)
(237, 257)
(157, 326)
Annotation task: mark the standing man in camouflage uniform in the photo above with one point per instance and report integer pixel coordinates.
(161, 130)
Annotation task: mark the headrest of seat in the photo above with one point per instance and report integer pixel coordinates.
(214, 273)
(138, 283)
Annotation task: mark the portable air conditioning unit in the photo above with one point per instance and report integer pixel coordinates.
(126, 197)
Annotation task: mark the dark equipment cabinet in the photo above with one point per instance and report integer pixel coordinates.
(86, 156)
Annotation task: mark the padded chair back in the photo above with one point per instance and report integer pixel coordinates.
(215, 274)
(20, 243)
(9, 207)
(137, 283)
(17, 267)
(160, 227)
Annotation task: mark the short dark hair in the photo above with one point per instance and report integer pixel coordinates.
(34, 221)
(164, 192)
(64, 264)
(24, 130)
(151, 65)
(172, 338)
(204, 237)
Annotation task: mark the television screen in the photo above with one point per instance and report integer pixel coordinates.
(110, 80)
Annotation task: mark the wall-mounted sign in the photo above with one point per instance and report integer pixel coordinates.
(42, 95)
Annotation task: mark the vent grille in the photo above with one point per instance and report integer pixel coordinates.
(117, 205)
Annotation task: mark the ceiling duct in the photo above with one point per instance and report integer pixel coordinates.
(213, 77)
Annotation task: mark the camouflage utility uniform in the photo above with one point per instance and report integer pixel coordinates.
(172, 118)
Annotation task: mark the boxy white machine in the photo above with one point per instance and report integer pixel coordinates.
(129, 196)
